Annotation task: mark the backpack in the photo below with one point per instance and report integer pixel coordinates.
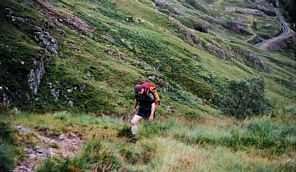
(150, 87)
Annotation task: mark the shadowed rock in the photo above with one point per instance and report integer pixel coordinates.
(35, 75)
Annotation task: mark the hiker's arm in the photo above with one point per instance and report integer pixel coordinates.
(136, 103)
(151, 117)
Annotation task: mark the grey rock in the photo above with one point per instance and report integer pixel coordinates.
(4, 98)
(35, 75)
(46, 41)
(70, 103)
(23, 130)
(55, 93)
(161, 3)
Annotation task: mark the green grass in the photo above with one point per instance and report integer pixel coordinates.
(95, 90)
(171, 144)
(9, 150)
(150, 47)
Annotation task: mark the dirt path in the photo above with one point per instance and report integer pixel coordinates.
(64, 145)
(279, 41)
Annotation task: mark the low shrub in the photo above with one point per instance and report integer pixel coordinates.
(95, 156)
(7, 148)
(55, 165)
(244, 98)
(7, 157)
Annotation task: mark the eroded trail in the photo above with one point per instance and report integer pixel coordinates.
(63, 145)
(281, 40)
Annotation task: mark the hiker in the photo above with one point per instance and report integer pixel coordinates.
(147, 100)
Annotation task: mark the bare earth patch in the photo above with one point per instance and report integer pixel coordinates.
(64, 145)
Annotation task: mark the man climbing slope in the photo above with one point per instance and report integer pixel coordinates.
(147, 100)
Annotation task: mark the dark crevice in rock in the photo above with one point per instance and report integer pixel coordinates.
(24, 70)
(35, 75)
(4, 98)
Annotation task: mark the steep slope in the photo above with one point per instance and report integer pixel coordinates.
(68, 68)
(94, 51)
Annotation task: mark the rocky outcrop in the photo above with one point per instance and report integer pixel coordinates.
(165, 7)
(264, 6)
(46, 40)
(248, 11)
(63, 17)
(279, 42)
(41, 36)
(24, 72)
(235, 26)
(35, 75)
(251, 59)
(218, 51)
(192, 38)
(161, 3)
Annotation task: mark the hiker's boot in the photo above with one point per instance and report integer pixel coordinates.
(132, 138)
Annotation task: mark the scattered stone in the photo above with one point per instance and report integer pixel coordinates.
(251, 59)
(64, 145)
(42, 37)
(12, 17)
(116, 54)
(55, 93)
(63, 17)
(46, 40)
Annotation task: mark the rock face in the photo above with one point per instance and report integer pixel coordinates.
(46, 40)
(40, 35)
(35, 75)
(23, 73)
(264, 6)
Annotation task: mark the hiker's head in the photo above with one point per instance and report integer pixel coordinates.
(139, 89)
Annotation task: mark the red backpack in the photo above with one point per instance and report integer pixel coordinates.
(151, 87)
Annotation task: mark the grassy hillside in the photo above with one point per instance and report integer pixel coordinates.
(85, 57)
